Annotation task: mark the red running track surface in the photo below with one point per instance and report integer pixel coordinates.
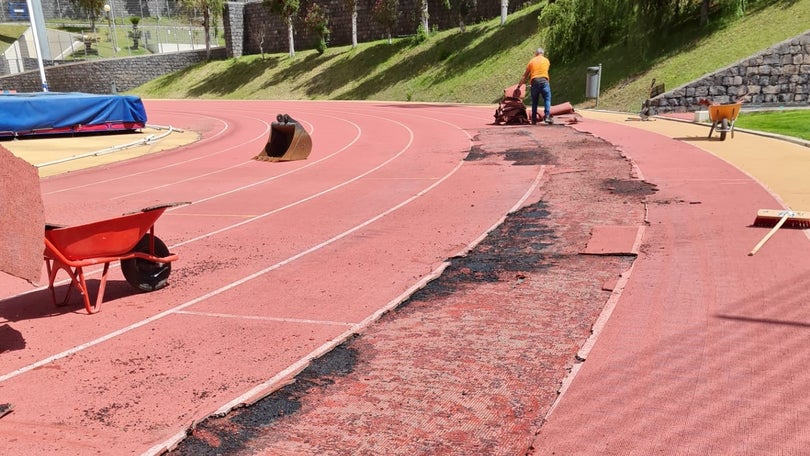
(279, 262)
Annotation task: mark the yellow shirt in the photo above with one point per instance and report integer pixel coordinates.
(538, 67)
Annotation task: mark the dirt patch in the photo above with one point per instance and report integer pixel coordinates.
(522, 148)
(630, 187)
(471, 363)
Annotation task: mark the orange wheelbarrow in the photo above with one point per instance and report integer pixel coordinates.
(723, 117)
(130, 239)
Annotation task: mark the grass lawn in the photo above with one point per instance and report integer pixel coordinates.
(795, 123)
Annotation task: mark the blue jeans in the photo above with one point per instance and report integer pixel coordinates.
(541, 86)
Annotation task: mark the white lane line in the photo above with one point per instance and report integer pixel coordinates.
(225, 128)
(262, 389)
(250, 277)
(224, 288)
(308, 198)
(260, 216)
(263, 318)
(222, 131)
(234, 284)
(222, 170)
(313, 163)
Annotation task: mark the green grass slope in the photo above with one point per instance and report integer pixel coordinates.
(474, 66)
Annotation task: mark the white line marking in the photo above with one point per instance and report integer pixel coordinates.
(263, 389)
(263, 318)
(189, 179)
(236, 283)
(225, 288)
(204, 140)
(308, 198)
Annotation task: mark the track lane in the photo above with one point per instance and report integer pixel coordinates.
(339, 258)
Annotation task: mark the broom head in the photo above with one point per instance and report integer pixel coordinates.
(770, 217)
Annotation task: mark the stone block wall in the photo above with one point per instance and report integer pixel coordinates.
(778, 76)
(233, 22)
(107, 75)
(265, 31)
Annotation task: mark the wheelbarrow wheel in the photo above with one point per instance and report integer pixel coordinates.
(147, 275)
(723, 129)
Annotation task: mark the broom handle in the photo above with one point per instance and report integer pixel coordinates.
(770, 233)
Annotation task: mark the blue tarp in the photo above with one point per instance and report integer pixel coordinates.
(68, 112)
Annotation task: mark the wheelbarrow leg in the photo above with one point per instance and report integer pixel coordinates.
(76, 280)
(82, 284)
(101, 287)
(711, 130)
(53, 269)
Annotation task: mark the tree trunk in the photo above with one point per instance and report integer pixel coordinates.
(425, 16)
(290, 36)
(504, 10)
(206, 29)
(704, 12)
(354, 28)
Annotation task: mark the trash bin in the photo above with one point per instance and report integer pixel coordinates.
(592, 81)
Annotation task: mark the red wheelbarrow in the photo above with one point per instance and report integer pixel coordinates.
(130, 239)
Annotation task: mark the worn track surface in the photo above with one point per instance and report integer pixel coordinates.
(428, 284)
(471, 363)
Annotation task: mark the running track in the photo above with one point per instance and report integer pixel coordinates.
(279, 262)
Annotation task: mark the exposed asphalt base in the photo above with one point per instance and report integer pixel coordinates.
(473, 362)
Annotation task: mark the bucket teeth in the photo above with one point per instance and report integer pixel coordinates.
(288, 141)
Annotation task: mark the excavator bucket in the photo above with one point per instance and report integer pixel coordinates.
(288, 141)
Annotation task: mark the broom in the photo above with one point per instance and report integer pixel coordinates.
(777, 219)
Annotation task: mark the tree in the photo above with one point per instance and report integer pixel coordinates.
(317, 21)
(504, 10)
(136, 33)
(352, 5)
(463, 8)
(423, 6)
(288, 9)
(704, 12)
(386, 13)
(92, 8)
(211, 9)
(735, 8)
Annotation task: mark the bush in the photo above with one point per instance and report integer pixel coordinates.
(317, 21)
(421, 34)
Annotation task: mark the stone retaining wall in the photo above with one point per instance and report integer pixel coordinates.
(107, 75)
(258, 23)
(778, 76)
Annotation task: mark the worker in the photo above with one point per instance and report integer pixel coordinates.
(537, 78)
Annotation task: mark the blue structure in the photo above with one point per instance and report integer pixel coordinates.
(68, 112)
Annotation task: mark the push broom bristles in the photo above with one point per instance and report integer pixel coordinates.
(777, 219)
(770, 217)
